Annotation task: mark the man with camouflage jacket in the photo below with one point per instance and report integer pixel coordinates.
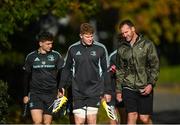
(137, 73)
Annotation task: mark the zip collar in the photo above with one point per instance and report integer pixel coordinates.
(82, 43)
(138, 39)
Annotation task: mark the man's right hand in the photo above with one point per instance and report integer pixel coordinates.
(61, 92)
(113, 69)
(119, 97)
(25, 99)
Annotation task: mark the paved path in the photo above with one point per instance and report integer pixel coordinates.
(166, 106)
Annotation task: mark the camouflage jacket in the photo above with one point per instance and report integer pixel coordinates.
(137, 65)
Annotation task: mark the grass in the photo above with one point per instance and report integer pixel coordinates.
(169, 75)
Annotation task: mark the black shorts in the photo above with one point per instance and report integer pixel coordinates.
(89, 102)
(119, 104)
(135, 102)
(42, 101)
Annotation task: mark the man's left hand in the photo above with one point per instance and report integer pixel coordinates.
(107, 97)
(147, 90)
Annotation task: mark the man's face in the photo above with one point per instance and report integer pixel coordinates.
(127, 32)
(87, 38)
(46, 45)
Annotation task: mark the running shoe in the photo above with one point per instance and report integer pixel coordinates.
(58, 103)
(110, 110)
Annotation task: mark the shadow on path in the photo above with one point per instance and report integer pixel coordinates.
(167, 117)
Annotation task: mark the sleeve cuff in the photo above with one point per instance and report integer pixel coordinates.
(152, 83)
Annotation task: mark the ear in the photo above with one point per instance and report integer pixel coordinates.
(133, 28)
(80, 36)
(40, 44)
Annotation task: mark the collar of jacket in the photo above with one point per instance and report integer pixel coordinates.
(138, 39)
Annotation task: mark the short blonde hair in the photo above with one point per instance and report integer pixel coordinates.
(86, 28)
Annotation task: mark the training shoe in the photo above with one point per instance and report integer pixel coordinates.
(58, 103)
(110, 110)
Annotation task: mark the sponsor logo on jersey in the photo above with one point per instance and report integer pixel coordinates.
(78, 53)
(93, 53)
(43, 66)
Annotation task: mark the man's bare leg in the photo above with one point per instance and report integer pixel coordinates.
(91, 119)
(132, 118)
(37, 115)
(79, 120)
(146, 119)
(47, 119)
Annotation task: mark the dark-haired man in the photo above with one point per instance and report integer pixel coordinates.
(40, 79)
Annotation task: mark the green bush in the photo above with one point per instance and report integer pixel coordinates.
(3, 101)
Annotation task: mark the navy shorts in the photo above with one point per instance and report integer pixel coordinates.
(42, 101)
(135, 102)
(119, 104)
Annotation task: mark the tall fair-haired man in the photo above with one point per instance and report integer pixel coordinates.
(87, 60)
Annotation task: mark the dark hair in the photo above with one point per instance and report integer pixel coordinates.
(44, 36)
(86, 28)
(127, 22)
